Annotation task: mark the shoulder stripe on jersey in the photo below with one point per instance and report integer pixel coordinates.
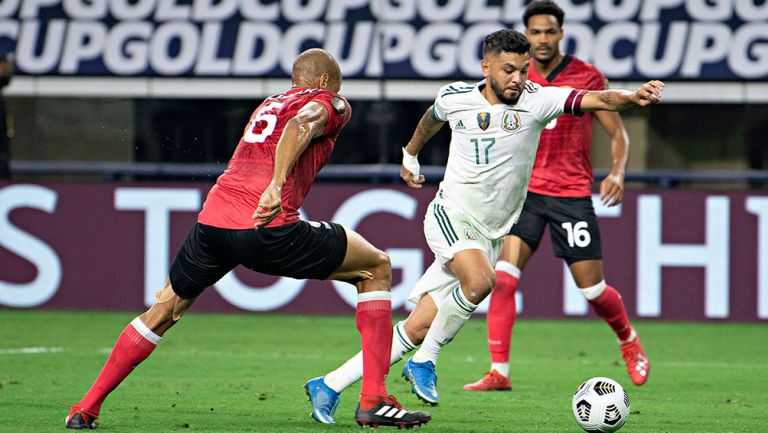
(456, 92)
(573, 102)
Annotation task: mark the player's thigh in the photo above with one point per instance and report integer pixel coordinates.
(462, 250)
(516, 251)
(361, 254)
(574, 229)
(449, 232)
(204, 258)
(528, 230)
(301, 250)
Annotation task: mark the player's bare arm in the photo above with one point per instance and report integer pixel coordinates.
(619, 100)
(612, 187)
(427, 127)
(309, 123)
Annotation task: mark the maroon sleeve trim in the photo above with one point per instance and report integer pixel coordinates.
(577, 103)
(573, 102)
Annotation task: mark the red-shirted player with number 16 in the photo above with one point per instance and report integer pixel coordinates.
(251, 218)
(559, 195)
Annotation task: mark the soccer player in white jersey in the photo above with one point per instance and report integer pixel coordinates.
(496, 125)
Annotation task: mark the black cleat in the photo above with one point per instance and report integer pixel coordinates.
(80, 419)
(390, 413)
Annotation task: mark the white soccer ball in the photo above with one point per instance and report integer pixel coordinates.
(600, 405)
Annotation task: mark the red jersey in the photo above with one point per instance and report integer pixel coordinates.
(235, 196)
(563, 167)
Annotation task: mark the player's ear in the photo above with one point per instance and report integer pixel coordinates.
(324, 77)
(486, 67)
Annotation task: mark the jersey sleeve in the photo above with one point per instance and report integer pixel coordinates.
(559, 101)
(339, 111)
(442, 107)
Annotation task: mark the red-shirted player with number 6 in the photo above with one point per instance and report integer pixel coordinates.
(251, 218)
(559, 195)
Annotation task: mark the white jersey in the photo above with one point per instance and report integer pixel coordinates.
(493, 148)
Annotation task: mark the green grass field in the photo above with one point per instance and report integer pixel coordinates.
(243, 372)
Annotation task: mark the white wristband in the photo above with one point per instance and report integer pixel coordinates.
(411, 163)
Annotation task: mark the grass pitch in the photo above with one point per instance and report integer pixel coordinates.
(244, 373)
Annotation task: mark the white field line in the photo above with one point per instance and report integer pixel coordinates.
(30, 350)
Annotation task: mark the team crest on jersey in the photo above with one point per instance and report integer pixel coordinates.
(339, 105)
(484, 120)
(510, 121)
(470, 234)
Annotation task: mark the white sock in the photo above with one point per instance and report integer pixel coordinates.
(501, 367)
(451, 317)
(145, 332)
(352, 370)
(631, 337)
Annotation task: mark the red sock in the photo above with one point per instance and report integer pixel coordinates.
(374, 321)
(610, 307)
(501, 316)
(129, 351)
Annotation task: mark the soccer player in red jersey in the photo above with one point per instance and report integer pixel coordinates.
(559, 195)
(251, 218)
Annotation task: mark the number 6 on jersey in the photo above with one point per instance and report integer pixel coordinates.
(262, 115)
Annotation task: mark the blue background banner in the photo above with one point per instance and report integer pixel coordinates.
(627, 40)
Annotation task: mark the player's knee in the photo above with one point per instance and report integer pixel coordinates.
(416, 330)
(480, 283)
(381, 268)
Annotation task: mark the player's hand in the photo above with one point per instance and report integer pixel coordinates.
(649, 93)
(612, 190)
(410, 179)
(270, 206)
(409, 170)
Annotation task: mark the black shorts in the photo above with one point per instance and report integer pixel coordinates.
(572, 226)
(299, 250)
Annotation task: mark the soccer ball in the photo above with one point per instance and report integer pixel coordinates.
(600, 405)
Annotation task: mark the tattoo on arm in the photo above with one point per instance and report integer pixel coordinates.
(615, 100)
(427, 127)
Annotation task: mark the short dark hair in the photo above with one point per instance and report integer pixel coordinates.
(543, 7)
(507, 41)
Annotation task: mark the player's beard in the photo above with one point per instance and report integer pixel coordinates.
(500, 92)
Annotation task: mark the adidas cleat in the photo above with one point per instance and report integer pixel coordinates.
(80, 419)
(391, 414)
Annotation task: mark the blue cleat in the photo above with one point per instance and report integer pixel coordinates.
(423, 380)
(324, 400)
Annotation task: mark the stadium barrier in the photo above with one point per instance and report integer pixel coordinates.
(368, 173)
(673, 254)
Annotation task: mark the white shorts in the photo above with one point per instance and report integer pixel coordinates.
(447, 233)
